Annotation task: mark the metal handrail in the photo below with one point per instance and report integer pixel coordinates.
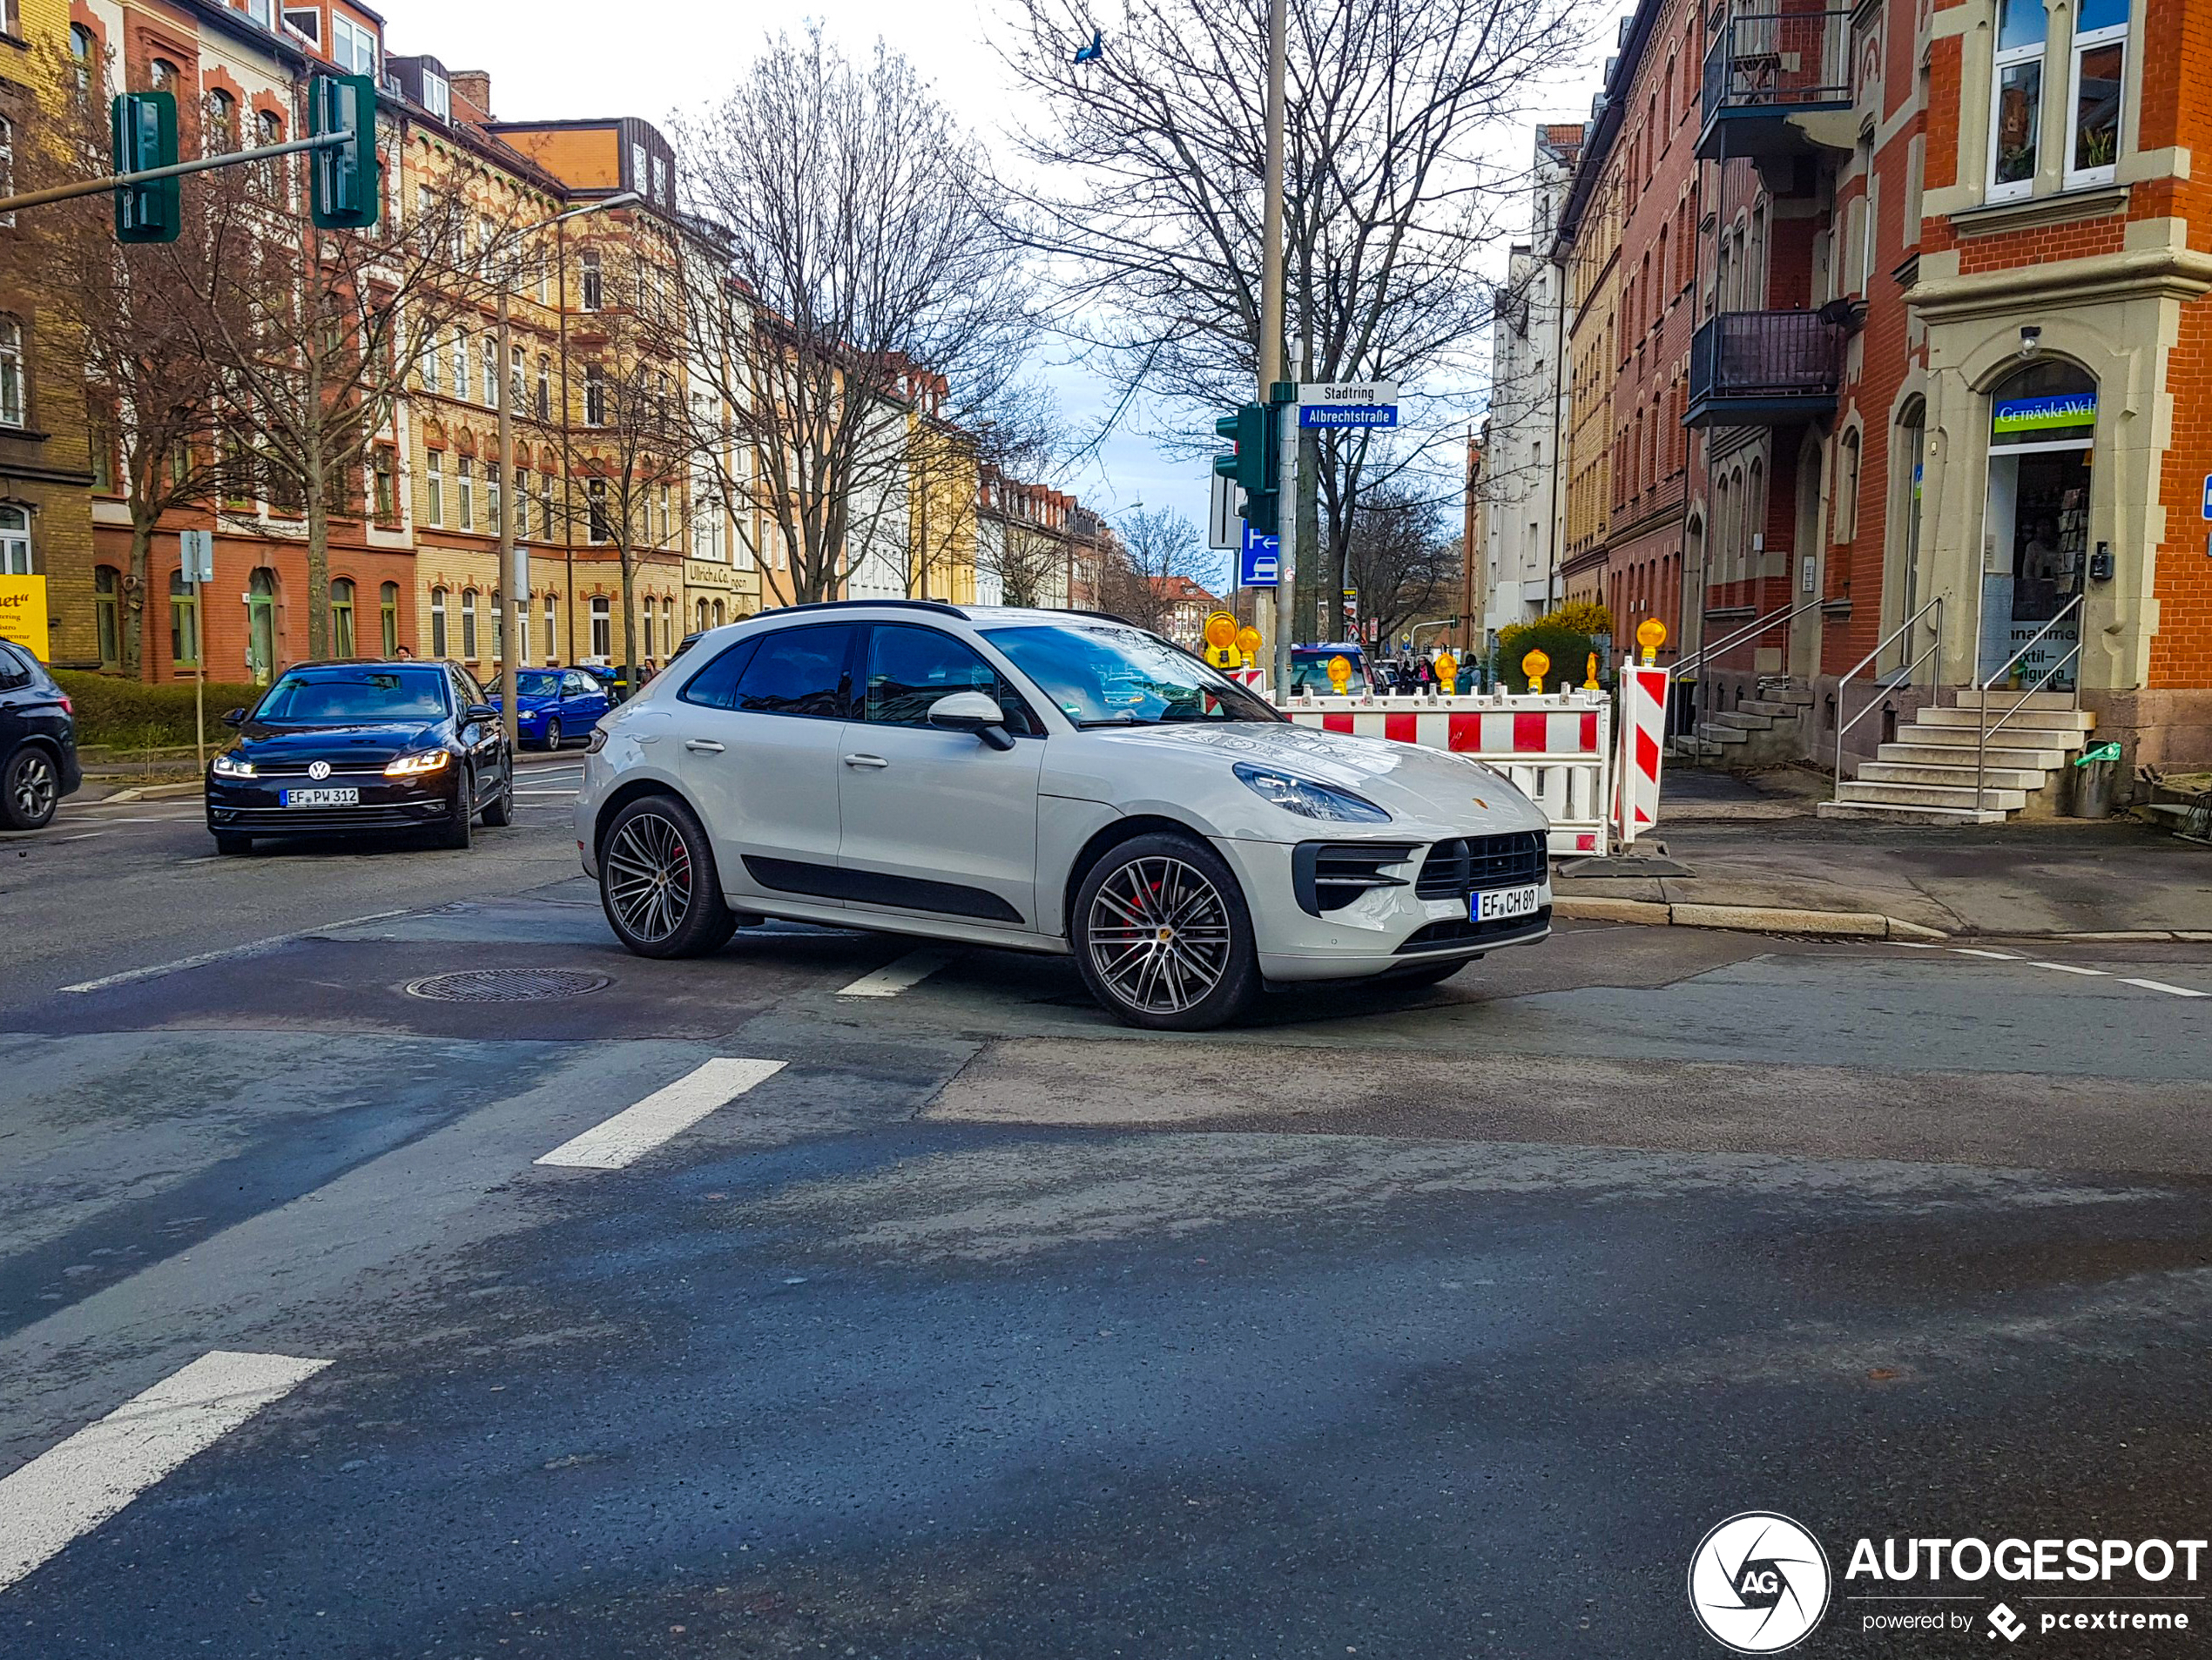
(1772, 619)
(1903, 631)
(1982, 727)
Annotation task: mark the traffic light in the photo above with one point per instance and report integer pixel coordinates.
(343, 178)
(1253, 430)
(145, 137)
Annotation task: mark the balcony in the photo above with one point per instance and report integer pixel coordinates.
(1764, 369)
(1769, 79)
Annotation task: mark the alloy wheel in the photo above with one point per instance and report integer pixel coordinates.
(34, 786)
(649, 877)
(1158, 934)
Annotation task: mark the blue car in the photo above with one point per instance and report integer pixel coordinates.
(552, 705)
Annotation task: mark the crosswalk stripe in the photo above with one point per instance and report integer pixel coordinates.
(670, 1111)
(70, 1489)
(894, 978)
(2159, 985)
(2069, 967)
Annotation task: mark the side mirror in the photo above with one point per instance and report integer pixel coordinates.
(480, 711)
(235, 717)
(972, 712)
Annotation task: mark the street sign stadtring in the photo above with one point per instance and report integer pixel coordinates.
(1320, 393)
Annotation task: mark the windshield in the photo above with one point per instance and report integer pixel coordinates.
(1309, 671)
(537, 683)
(1105, 674)
(307, 695)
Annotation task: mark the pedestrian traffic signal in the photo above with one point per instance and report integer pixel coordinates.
(1254, 431)
(344, 176)
(145, 137)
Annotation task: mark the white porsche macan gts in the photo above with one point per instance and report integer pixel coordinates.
(1050, 781)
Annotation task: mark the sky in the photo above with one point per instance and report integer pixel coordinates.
(649, 58)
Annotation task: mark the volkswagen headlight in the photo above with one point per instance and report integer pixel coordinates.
(1308, 799)
(231, 765)
(418, 764)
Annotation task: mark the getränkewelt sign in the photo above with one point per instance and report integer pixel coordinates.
(2062, 410)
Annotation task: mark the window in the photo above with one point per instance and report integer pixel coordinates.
(552, 630)
(469, 624)
(2100, 58)
(718, 613)
(383, 483)
(595, 395)
(595, 495)
(183, 622)
(495, 615)
(1847, 488)
(699, 616)
(14, 542)
(2016, 105)
(11, 372)
(909, 668)
(428, 367)
(305, 22)
(647, 636)
(437, 98)
(437, 622)
(222, 123)
(460, 364)
(796, 672)
(665, 521)
(491, 496)
(668, 624)
(352, 47)
(515, 372)
(83, 50)
(107, 584)
(342, 616)
(521, 505)
(388, 612)
(464, 487)
(434, 489)
(595, 291)
(491, 370)
(162, 75)
(544, 386)
(545, 505)
(601, 628)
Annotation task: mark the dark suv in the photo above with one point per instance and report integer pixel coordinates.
(37, 742)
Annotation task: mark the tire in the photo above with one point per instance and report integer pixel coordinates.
(499, 812)
(31, 789)
(232, 845)
(458, 834)
(658, 884)
(552, 734)
(1157, 891)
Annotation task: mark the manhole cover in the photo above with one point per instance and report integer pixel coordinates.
(506, 985)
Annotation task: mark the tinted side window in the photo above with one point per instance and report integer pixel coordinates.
(909, 668)
(716, 685)
(14, 669)
(797, 672)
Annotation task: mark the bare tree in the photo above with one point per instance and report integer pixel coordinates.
(860, 244)
(317, 331)
(1403, 566)
(1135, 577)
(131, 323)
(1390, 198)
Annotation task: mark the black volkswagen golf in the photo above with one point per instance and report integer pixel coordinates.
(338, 747)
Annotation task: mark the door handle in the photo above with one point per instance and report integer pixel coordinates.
(702, 746)
(865, 760)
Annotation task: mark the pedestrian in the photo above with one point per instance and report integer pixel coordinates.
(403, 655)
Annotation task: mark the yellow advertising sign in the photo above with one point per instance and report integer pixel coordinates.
(23, 613)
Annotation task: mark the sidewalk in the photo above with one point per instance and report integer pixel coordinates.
(1752, 843)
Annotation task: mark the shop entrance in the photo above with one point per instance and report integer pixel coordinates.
(2035, 524)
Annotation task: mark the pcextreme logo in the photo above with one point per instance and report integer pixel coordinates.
(1758, 1583)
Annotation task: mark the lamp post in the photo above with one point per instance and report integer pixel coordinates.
(514, 562)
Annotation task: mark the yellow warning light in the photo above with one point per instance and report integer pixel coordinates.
(1533, 666)
(1447, 671)
(1248, 642)
(1221, 628)
(1590, 676)
(1339, 671)
(1651, 634)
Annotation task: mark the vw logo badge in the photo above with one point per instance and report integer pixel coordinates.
(1758, 1583)
(318, 769)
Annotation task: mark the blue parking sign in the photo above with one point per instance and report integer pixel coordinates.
(2207, 496)
(1259, 560)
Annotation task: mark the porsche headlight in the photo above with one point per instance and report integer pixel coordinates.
(1308, 799)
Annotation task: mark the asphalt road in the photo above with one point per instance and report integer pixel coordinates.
(968, 1323)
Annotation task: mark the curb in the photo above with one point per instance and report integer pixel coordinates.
(1750, 918)
(156, 792)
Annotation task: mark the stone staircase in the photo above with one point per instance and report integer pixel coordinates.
(1927, 775)
(1766, 731)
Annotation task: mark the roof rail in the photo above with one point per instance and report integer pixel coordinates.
(937, 605)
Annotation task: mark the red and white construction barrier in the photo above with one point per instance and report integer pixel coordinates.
(1556, 747)
(1643, 734)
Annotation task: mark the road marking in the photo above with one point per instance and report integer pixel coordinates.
(2159, 985)
(70, 1489)
(87, 836)
(670, 1111)
(1999, 956)
(894, 978)
(129, 975)
(2070, 967)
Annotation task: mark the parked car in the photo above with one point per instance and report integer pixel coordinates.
(1045, 782)
(333, 748)
(37, 742)
(1309, 670)
(552, 705)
